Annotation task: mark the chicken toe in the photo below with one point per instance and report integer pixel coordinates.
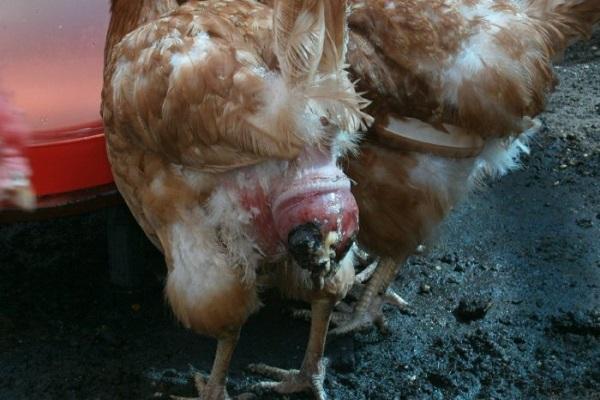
(293, 380)
(214, 387)
(340, 316)
(362, 319)
(369, 308)
(207, 391)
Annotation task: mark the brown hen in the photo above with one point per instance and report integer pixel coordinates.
(454, 85)
(224, 121)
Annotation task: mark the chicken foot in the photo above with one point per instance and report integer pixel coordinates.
(346, 316)
(214, 388)
(311, 376)
(369, 309)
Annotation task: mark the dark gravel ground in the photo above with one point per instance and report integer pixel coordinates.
(506, 304)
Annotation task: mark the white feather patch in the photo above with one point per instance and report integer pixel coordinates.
(199, 269)
(230, 221)
(500, 156)
(196, 54)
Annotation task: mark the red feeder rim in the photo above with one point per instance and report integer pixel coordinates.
(69, 159)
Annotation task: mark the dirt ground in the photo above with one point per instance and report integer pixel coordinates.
(526, 250)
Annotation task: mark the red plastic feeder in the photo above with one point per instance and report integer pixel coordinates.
(51, 68)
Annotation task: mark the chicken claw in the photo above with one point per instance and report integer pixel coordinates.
(366, 273)
(369, 309)
(208, 391)
(293, 380)
(205, 391)
(362, 319)
(214, 388)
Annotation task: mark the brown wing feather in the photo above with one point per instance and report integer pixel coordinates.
(479, 64)
(188, 87)
(334, 48)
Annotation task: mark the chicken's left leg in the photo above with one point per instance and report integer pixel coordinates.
(311, 376)
(214, 387)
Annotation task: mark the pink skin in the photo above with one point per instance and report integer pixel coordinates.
(14, 166)
(316, 190)
(256, 202)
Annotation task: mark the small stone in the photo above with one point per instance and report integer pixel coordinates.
(440, 380)
(424, 288)
(585, 223)
(518, 340)
(471, 309)
(449, 258)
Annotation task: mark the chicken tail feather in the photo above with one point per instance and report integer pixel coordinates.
(310, 44)
(299, 28)
(564, 21)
